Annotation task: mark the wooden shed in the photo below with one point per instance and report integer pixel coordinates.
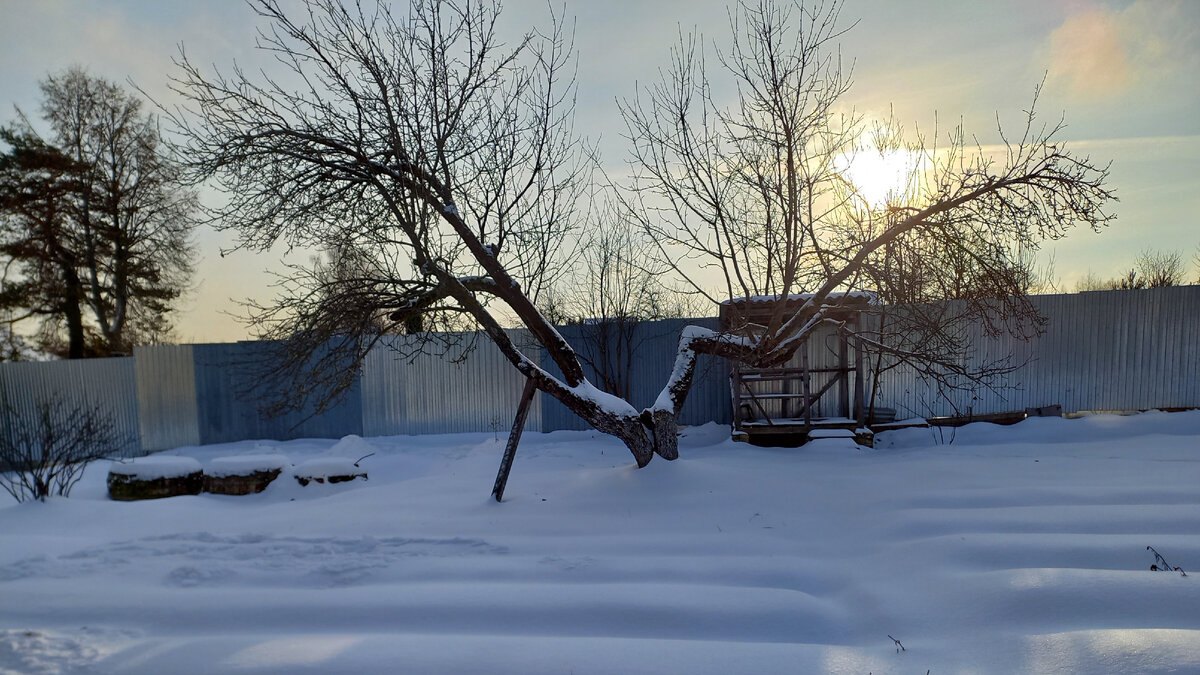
(819, 392)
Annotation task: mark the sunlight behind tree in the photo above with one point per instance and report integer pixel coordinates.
(879, 177)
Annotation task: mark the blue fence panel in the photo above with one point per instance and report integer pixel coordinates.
(1101, 350)
(230, 390)
(649, 352)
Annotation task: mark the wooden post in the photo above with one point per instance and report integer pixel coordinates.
(860, 412)
(808, 397)
(735, 394)
(843, 376)
(514, 437)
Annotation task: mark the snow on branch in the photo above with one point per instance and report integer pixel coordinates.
(672, 396)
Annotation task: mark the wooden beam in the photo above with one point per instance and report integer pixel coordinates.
(514, 437)
(844, 376)
(860, 413)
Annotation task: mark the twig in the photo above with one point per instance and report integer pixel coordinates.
(1166, 566)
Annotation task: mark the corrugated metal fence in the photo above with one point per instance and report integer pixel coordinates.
(106, 385)
(1101, 350)
(651, 348)
(464, 385)
(1112, 350)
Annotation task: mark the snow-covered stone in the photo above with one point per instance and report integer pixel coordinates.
(154, 477)
(242, 465)
(156, 466)
(328, 470)
(243, 474)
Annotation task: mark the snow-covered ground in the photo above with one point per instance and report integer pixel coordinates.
(1010, 550)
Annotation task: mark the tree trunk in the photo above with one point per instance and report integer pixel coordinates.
(75, 339)
(630, 431)
(666, 434)
(72, 303)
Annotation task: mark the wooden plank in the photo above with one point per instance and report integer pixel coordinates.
(860, 415)
(514, 438)
(807, 384)
(843, 378)
(786, 373)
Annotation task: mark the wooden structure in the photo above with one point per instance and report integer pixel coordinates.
(819, 392)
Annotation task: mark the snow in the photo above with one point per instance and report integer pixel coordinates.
(156, 467)
(352, 447)
(244, 465)
(685, 359)
(869, 296)
(613, 405)
(830, 433)
(1011, 549)
(324, 467)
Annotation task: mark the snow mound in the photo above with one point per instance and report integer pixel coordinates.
(352, 447)
(241, 465)
(1052, 430)
(830, 433)
(327, 467)
(156, 467)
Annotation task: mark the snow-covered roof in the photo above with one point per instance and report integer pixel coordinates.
(855, 297)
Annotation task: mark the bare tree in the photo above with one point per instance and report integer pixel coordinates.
(126, 220)
(134, 215)
(421, 141)
(755, 191)
(1159, 269)
(44, 453)
(1092, 282)
(1151, 269)
(449, 162)
(13, 346)
(614, 291)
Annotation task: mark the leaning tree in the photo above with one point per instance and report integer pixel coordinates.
(443, 163)
(757, 200)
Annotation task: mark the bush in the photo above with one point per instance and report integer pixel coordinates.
(45, 453)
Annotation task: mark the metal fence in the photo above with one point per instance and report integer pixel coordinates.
(1101, 350)
(232, 384)
(105, 385)
(647, 355)
(1110, 350)
(165, 391)
(465, 384)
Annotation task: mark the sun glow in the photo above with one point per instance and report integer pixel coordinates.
(880, 177)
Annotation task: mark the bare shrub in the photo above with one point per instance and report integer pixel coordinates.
(45, 453)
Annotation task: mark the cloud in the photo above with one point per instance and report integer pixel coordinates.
(1089, 55)
(1099, 53)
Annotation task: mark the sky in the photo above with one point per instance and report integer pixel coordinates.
(1124, 75)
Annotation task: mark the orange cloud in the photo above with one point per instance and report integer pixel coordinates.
(1089, 55)
(1100, 53)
